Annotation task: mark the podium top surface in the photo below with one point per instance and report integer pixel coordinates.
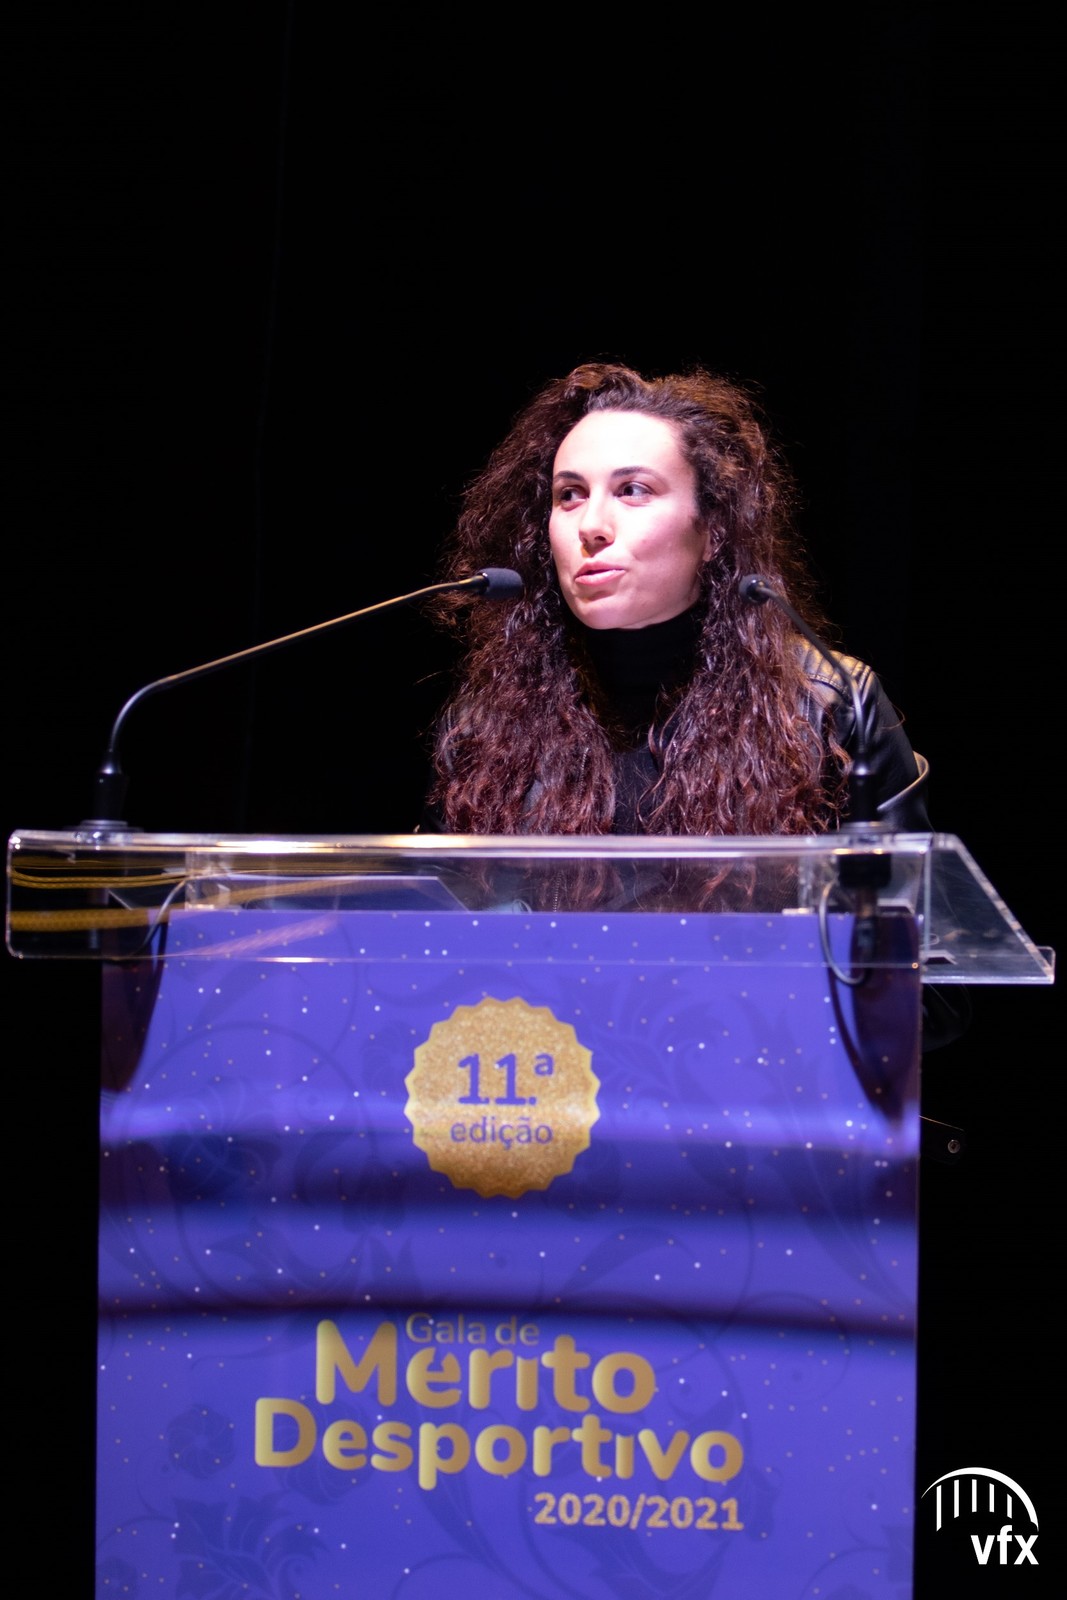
(101, 893)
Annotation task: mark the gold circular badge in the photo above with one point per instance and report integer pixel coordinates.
(502, 1097)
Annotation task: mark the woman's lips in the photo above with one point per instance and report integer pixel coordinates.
(592, 577)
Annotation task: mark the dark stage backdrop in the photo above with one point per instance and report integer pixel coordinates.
(284, 278)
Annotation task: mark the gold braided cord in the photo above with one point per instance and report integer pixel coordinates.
(29, 880)
(79, 921)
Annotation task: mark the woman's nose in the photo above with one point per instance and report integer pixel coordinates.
(595, 525)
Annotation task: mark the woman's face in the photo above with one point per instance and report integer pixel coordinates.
(625, 535)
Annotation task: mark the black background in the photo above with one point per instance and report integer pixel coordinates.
(283, 278)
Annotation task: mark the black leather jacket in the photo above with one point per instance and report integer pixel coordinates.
(898, 774)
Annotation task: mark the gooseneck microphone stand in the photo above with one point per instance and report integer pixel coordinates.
(109, 789)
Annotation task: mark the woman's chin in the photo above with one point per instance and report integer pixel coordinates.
(607, 612)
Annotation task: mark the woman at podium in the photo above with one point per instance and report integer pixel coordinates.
(634, 688)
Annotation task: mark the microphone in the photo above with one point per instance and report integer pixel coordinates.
(498, 583)
(862, 802)
(490, 583)
(862, 874)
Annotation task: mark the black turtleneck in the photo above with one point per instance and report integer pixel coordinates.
(632, 675)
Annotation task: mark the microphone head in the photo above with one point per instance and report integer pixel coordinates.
(500, 583)
(755, 589)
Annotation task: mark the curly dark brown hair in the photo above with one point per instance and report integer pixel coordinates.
(521, 749)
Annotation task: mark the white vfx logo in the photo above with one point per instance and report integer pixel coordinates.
(980, 1500)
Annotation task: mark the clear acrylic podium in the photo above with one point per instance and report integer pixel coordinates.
(535, 1217)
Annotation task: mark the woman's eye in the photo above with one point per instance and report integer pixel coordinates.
(635, 491)
(569, 496)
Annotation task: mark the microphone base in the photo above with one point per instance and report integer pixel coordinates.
(873, 868)
(100, 829)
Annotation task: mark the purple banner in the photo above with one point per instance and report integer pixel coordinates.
(538, 1255)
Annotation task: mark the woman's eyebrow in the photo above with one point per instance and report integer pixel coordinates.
(569, 476)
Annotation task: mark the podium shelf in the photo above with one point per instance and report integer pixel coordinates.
(104, 895)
